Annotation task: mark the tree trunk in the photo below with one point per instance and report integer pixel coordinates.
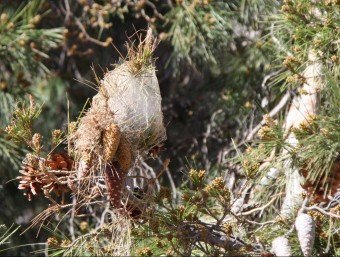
(303, 107)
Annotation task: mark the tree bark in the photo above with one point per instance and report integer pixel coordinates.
(304, 106)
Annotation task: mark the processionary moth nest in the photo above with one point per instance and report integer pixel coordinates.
(125, 118)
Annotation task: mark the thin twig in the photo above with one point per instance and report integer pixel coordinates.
(166, 169)
(71, 220)
(316, 208)
(262, 207)
(284, 100)
(87, 36)
(68, 11)
(269, 76)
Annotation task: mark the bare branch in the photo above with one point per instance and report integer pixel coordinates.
(316, 208)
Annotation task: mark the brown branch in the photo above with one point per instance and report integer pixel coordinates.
(87, 36)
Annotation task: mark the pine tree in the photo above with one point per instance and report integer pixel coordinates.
(221, 66)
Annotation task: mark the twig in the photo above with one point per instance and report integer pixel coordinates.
(267, 77)
(49, 197)
(153, 174)
(261, 224)
(166, 169)
(102, 218)
(262, 207)
(69, 15)
(169, 3)
(303, 206)
(284, 100)
(68, 11)
(87, 36)
(335, 200)
(155, 11)
(71, 220)
(165, 163)
(316, 208)
(220, 240)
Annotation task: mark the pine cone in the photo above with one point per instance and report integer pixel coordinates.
(281, 247)
(60, 161)
(40, 175)
(124, 155)
(111, 138)
(29, 182)
(305, 227)
(114, 179)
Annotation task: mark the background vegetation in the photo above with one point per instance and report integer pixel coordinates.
(221, 66)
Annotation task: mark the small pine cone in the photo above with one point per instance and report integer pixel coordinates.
(124, 154)
(36, 180)
(281, 247)
(70, 163)
(53, 165)
(60, 161)
(69, 160)
(114, 179)
(111, 138)
(62, 165)
(54, 162)
(305, 227)
(56, 157)
(29, 182)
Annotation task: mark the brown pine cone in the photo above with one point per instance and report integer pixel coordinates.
(114, 180)
(29, 182)
(38, 176)
(61, 161)
(124, 154)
